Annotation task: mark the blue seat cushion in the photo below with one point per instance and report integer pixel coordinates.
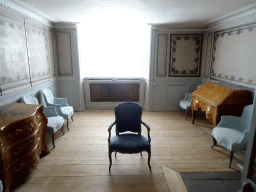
(129, 143)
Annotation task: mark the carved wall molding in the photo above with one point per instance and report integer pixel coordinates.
(233, 55)
(20, 8)
(185, 59)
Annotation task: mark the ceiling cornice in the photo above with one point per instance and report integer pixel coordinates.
(244, 12)
(18, 7)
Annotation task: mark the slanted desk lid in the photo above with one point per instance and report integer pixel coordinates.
(214, 93)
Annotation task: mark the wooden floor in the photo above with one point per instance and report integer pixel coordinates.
(80, 160)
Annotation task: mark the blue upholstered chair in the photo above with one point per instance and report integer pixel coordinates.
(128, 119)
(55, 122)
(186, 103)
(1, 186)
(62, 107)
(233, 132)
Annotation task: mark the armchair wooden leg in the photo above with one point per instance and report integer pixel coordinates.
(231, 158)
(53, 140)
(67, 125)
(72, 118)
(141, 153)
(63, 130)
(186, 111)
(115, 154)
(214, 141)
(110, 158)
(149, 156)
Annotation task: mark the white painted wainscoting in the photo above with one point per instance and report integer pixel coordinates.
(111, 105)
(167, 95)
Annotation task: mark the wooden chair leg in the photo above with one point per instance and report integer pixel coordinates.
(67, 125)
(186, 111)
(231, 158)
(53, 140)
(72, 118)
(141, 153)
(214, 142)
(110, 159)
(115, 154)
(63, 130)
(149, 156)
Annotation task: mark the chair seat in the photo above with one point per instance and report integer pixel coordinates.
(185, 104)
(68, 110)
(54, 124)
(229, 138)
(129, 143)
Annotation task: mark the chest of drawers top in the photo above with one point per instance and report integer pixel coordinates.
(15, 112)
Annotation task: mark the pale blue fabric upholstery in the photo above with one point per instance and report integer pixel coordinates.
(1, 186)
(186, 103)
(62, 107)
(233, 132)
(55, 122)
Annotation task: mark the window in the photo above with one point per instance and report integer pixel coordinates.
(114, 43)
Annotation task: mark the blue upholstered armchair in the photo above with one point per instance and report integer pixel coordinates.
(233, 132)
(62, 107)
(128, 119)
(55, 122)
(186, 103)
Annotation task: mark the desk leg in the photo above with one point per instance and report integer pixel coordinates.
(193, 116)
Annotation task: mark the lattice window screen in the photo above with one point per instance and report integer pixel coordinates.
(114, 92)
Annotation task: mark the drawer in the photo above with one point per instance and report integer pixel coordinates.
(14, 132)
(24, 165)
(20, 149)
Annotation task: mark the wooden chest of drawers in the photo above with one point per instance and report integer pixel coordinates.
(22, 139)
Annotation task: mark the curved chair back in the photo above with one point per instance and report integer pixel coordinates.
(128, 117)
(48, 95)
(246, 117)
(30, 99)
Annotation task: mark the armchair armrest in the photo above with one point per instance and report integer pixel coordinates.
(61, 101)
(245, 136)
(148, 128)
(229, 121)
(50, 111)
(58, 109)
(109, 130)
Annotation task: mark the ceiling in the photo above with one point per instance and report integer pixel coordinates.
(150, 11)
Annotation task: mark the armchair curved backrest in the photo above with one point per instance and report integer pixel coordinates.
(29, 99)
(128, 117)
(49, 98)
(239, 123)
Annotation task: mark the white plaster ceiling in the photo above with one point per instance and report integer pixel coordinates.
(152, 11)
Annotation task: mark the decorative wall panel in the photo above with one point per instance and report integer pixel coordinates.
(233, 56)
(185, 59)
(175, 93)
(162, 55)
(208, 55)
(37, 41)
(14, 70)
(64, 53)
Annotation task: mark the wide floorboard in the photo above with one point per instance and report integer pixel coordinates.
(80, 160)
